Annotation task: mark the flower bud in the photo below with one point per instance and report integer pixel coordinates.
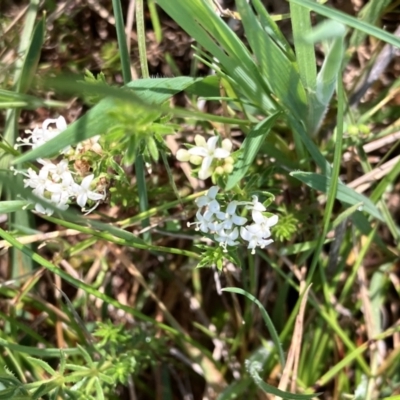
(219, 170)
(182, 155)
(195, 160)
(228, 168)
(227, 145)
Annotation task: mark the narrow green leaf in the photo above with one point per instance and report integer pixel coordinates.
(201, 22)
(42, 364)
(279, 72)
(253, 369)
(267, 320)
(305, 53)
(32, 57)
(12, 206)
(249, 150)
(321, 97)
(344, 193)
(347, 19)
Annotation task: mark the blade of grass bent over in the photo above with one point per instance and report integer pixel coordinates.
(350, 21)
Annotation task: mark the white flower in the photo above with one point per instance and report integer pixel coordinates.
(227, 238)
(83, 192)
(41, 208)
(253, 205)
(209, 200)
(57, 171)
(61, 192)
(263, 222)
(208, 151)
(42, 135)
(38, 182)
(230, 218)
(254, 236)
(204, 222)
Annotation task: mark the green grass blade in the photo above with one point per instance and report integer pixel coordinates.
(279, 72)
(349, 21)
(32, 57)
(253, 369)
(370, 14)
(200, 21)
(121, 36)
(344, 193)
(249, 150)
(12, 206)
(321, 97)
(141, 33)
(305, 53)
(267, 320)
(29, 48)
(332, 192)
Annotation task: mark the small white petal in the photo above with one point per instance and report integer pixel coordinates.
(198, 151)
(212, 142)
(221, 153)
(227, 145)
(200, 141)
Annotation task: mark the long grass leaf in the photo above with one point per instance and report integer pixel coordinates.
(267, 320)
(344, 193)
(350, 21)
(249, 150)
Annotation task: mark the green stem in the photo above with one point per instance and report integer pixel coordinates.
(126, 72)
(141, 33)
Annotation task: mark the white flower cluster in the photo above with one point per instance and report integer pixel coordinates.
(204, 154)
(227, 225)
(55, 183)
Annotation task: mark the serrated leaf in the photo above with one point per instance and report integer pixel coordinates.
(249, 150)
(43, 364)
(344, 193)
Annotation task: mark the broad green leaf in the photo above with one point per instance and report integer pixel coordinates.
(344, 193)
(12, 206)
(249, 150)
(99, 118)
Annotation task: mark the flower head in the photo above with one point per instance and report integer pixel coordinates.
(229, 218)
(83, 192)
